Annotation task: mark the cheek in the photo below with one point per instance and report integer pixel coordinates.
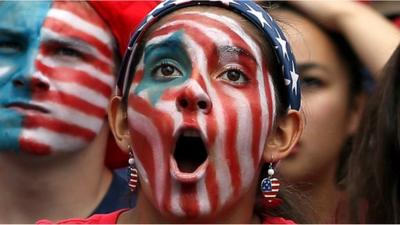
(325, 107)
(326, 120)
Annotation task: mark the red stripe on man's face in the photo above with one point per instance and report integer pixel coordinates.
(62, 127)
(72, 75)
(66, 30)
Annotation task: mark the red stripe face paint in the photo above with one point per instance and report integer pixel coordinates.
(200, 109)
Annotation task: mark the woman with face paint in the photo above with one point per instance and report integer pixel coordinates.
(208, 96)
(58, 63)
(333, 96)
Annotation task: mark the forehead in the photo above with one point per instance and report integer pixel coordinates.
(224, 20)
(199, 13)
(21, 16)
(29, 16)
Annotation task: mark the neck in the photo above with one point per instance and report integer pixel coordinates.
(53, 187)
(240, 212)
(323, 199)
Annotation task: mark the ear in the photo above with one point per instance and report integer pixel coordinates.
(118, 123)
(355, 113)
(284, 137)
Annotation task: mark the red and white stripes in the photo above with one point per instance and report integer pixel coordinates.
(79, 85)
(235, 129)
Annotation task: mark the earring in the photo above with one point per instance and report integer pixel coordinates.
(270, 188)
(132, 171)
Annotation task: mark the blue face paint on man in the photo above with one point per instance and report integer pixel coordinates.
(56, 75)
(19, 42)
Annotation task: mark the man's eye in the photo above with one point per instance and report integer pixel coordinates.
(234, 76)
(9, 47)
(166, 71)
(67, 51)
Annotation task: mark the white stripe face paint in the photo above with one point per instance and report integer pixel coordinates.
(63, 77)
(69, 18)
(200, 73)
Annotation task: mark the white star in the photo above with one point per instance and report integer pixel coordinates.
(226, 2)
(295, 78)
(159, 6)
(148, 18)
(282, 43)
(287, 82)
(177, 2)
(259, 16)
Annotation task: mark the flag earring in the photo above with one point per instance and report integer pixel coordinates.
(132, 171)
(270, 188)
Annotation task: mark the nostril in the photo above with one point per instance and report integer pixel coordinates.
(18, 83)
(42, 85)
(183, 103)
(202, 104)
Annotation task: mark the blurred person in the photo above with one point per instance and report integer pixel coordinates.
(333, 91)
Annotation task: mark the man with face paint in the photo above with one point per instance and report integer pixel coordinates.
(58, 62)
(198, 110)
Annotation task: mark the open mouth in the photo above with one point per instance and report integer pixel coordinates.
(189, 159)
(20, 106)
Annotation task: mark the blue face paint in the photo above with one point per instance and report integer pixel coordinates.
(20, 25)
(170, 52)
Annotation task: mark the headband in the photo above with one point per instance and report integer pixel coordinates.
(249, 10)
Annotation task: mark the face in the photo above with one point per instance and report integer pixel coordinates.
(200, 109)
(56, 75)
(325, 103)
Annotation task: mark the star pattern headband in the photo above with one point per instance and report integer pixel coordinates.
(249, 10)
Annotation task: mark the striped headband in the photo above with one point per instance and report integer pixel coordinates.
(249, 10)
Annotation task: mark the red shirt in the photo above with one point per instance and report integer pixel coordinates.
(111, 218)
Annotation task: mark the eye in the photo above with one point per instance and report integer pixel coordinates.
(166, 71)
(308, 82)
(234, 76)
(67, 51)
(9, 47)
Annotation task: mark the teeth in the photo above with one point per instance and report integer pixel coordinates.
(191, 133)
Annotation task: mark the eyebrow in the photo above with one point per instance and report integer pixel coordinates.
(312, 65)
(70, 42)
(10, 32)
(163, 44)
(235, 50)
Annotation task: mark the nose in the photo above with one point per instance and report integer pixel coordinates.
(193, 98)
(35, 82)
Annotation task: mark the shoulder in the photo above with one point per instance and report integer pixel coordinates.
(109, 218)
(277, 220)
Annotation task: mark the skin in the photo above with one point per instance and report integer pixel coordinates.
(330, 119)
(52, 110)
(354, 20)
(55, 79)
(221, 91)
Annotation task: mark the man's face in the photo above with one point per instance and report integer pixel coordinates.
(56, 75)
(200, 108)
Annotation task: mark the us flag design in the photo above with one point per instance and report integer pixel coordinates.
(270, 187)
(58, 89)
(233, 125)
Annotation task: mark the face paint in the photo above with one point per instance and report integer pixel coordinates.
(56, 75)
(200, 108)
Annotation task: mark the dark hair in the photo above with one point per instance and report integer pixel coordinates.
(374, 177)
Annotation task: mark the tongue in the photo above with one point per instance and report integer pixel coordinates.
(190, 153)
